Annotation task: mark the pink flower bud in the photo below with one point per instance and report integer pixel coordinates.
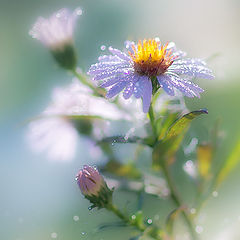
(90, 181)
(93, 187)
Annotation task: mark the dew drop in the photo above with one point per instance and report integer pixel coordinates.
(199, 229)
(83, 233)
(53, 235)
(192, 210)
(149, 221)
(103, 47)
(133, 217)
(215, 193)
(90, 208)
(79, 11)
(76, 218)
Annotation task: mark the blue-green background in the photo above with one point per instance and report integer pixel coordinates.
(38, 197)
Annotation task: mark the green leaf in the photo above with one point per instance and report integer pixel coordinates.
(171, 218)
(230, 164)
(164, 124)
(122, 170)
(165, 149)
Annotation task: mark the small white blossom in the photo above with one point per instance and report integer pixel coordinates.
(54, 131)
(57, 30)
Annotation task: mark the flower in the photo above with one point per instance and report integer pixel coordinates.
(56, 130)
(93, 187)
(90, 181)
(147, 66)
(56, 33)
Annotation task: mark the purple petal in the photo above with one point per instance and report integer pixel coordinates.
(175, 82)
(117, 88)
(108, 74)
(120, 54)
(107, 67)
(128, 91)
(147, 95)
(139, 86)
(111, 81)
(189, 61)
(108, 58)
(198, 71)
(164, 83)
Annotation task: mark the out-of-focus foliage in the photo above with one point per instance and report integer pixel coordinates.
(230, 163)
(165, 149)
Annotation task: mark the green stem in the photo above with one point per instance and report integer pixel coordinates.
(82, 78)
(126, 219)
(178, 202)
(152, 120)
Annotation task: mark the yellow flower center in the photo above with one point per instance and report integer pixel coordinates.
(151, 58)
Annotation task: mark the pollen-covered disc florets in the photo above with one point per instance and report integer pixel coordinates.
(151, 58)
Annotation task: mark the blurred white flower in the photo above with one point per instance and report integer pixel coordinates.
(54, 131)
(57, 30)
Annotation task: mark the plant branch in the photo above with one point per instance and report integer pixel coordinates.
(126, 219)
(178, 202)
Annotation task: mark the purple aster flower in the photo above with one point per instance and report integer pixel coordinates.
(148, 65)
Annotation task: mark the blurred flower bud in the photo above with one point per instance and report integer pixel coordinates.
(93, 187)
(56, 33)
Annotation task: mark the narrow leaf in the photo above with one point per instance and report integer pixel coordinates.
(166, 148)
(172, 217)
(230, 163)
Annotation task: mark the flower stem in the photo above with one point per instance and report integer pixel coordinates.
(126, 219)
(152, 120)
(178, 202)
(82, 78)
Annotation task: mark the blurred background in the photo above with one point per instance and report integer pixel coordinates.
(39, 198)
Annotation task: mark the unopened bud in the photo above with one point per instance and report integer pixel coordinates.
(93, 187)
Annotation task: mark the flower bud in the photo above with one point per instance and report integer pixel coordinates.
(93, 187)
